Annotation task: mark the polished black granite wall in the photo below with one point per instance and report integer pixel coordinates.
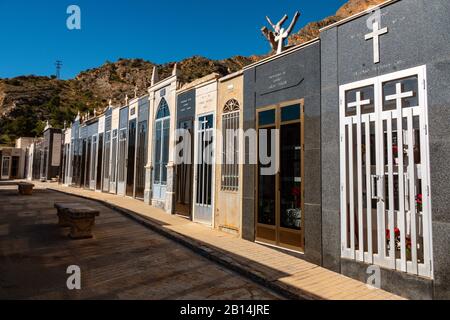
(292, 76)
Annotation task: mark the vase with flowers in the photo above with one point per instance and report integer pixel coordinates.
(419, 202)
(396, 238)
(294, 213)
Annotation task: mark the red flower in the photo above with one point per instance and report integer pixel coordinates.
(395, 150)
(419, 201)
(296, 191)
(396, 233)
(419, 198)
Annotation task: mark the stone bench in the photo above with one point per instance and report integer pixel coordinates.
(80, 219)
(25, 188)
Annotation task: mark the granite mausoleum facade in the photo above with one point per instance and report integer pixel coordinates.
(354, 123)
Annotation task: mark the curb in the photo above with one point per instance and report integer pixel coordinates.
(220, 257)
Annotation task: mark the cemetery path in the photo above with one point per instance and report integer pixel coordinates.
(284, 273)
(124, 260)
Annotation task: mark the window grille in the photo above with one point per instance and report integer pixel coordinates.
(230, 147)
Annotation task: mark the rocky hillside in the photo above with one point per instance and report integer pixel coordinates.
(26, 102)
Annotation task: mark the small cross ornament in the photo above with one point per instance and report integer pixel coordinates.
(358, 103)
(399, 96)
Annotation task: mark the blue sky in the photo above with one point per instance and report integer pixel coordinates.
(33, 33)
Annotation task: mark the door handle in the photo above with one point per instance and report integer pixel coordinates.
(373, 181)
(373, 177)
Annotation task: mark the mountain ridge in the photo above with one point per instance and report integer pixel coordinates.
(26, 102)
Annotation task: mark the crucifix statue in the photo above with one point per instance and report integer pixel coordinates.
(279, 35)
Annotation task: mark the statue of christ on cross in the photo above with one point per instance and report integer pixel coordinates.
(279, 35)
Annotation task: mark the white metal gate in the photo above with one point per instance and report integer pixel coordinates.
(121, 162)
(204, 170)
(385, 193)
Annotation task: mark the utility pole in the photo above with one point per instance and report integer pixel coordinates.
(58, 65)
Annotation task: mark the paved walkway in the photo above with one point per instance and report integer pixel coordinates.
(125, 260)
(282, 272)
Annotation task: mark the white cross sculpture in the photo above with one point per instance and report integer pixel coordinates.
(375, 35)
(279, 34)
(358, 103)
(399, 95)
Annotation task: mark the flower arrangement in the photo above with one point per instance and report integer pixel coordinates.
(396, 238)
(395, 151)
(419, 202)
(408, 243)
(296, 193)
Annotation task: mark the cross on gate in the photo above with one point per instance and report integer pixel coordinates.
(358, 103)
(375, 35)
(399, 95)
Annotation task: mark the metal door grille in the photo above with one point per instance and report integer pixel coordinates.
(385, 195)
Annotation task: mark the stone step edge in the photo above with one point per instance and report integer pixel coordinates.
(221, 257)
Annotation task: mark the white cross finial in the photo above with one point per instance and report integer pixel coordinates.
(399, 95)
(358, 103)
(375, 35)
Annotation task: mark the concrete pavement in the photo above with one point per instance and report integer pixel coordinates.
(125, 260)
(288, 275)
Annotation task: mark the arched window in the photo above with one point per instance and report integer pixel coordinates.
(231, 105)
(163, 109)
(162, 130)
(230, 148)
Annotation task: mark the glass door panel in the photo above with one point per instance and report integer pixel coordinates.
(185, 172)
(6, 167)
(107, 161)
(141, 159)
(121, 162)
(280, 195)
(131, 158)
(113, 175)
